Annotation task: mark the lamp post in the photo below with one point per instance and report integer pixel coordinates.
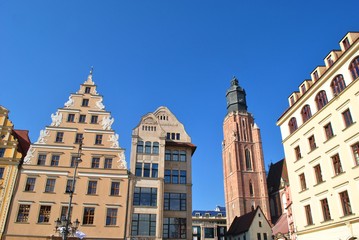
(64, 226)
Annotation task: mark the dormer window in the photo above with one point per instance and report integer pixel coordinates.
(291, 100)
(303, 88)
(316, 75)
(198, 214)
(346, 43)
(206, 215)
(330, 61)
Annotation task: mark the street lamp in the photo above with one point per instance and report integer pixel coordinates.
(64, 226)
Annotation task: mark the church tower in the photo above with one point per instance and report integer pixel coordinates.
(243, 163)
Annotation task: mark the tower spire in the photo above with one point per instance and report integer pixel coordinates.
(236, 97)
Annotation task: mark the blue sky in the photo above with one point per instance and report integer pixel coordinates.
(178, 53)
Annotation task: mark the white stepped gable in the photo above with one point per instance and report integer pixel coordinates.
(107, 122)
(69, 102)
(43, 137)
(122, 164)
(29, 155)
(56, 119)
(100, 105)
(114, 140)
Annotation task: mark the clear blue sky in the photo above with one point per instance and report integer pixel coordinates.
(178, 53)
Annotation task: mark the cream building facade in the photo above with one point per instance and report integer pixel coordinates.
(161, 188)
(320, 133)
(101, 185)
(13, 147)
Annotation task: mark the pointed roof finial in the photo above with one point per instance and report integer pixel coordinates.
(91, 70)
(234, 81)
(89, 78)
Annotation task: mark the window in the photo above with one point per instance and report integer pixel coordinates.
(115, 189)
(2, 172)
(111, 216)
(303, 88)
(145, 196)
(168, 136)
(59, 137)
(44, 214)
(74, 160)
(347, 118)
(337, 165)
(259, 236)
(178, 136)
(316, 75)
(85, 102)
(50, 185)
(355, 149)
(330, 61)
(71, 117)
(321, 99)
(346, 43)
(148, 147)
(306, 113)
(318, 173)
(69, 186)
(344, 198)
(95, 162)
(108, 163)
(94, 119)
(308, 214)
(175, 176)
(23, 213)
(92, 187)
(55, 160)
(175, 155)
(64, 212)
(82, 119)
(98, 139)
(265, 236)
(174, 228)
(89, 215)
(338, 84)
(41, 159)
(140, 146)
(248, 159)
(251, 188)
(303, 184)
(328, 131)
(173, 136)
(354, 68)
(138, 171)
(143, 225)
(175, 201)
(183, 176)
(155, 148)
(154, 173)
(30, 184)
(312, 143)
(298, 155)
(325, 209)
(183, 156)
(208, 232)
(167, 176)
(292, 125)
(168, 155)
(146, 169)
(78, 138)
(291, 100)
(87, 90)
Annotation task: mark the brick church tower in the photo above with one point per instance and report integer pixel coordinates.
(244, 174)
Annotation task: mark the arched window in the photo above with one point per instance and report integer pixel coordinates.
(338, 84)
(306, 113)
(292, 125)
(140, 147)
(183, 156)
(321, 99)
(248, 160)
(251, 188)
(155, 148)
(148, 147)
(175, 155)
(354, 68)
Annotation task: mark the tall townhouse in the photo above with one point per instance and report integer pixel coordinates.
(81, 135)
(320, 133)
(161, 165)
(13, 147)
(244, 174)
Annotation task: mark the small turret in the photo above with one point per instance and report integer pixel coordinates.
(236, 97)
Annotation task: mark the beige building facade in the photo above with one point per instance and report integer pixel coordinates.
(161, 186)
(320, 135)
(101, 182)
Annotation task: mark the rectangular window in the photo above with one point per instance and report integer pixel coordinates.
(303, 184)
(138, 171)
(178, 136)
(312, 143)
(355, 149)
(168, 155)
(298, 155)
(303, 88)
(208, 232)
(87, 89)
(344, 198)
(143, 225)
(183, 177)
(55, 160)
(330, 61)
(175, 176)
(174, 228)
(64, 212)
(167, 176)
(50, 185)
(59, 137)
(98, 139)
(115, 189)
(2, 172)
(175, 202)
(23, 213)
(337, 165)
(155, 148)
(173, 136)
(316, 75)
(265, 236)
(44, 214)
(347, 118)
(78, 138)
(146, 170)
(328, 131)
(325, 209)
(82, 119)
(74, 160)
(41, 159)
(168, 136)
(2, 152)
(94, 119)
(308, 214)
(108, 163)
(154, 173)
(145, 196)
(95, 162)
(318, 174)
(85, 102)
(259, 236)
(69, 186)
(346, 43)
(183, 155)
(92, 187)
(30, 184)
(89, 215)
(71, 117)
(111, 217)
(291, 100)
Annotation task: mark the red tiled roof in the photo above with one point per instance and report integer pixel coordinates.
(281, 226)
(241, 224)
(22, 137)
